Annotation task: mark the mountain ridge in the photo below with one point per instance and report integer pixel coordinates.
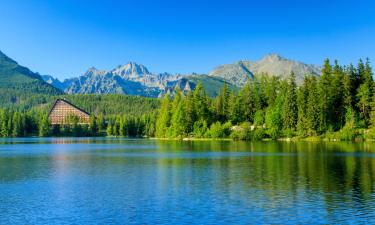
(16, 80)
(135, 79)
(272, 65)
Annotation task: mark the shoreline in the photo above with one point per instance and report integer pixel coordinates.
(293, 139)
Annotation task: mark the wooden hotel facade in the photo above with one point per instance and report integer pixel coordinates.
(62, 110)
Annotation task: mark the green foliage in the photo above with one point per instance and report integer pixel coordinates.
(218, 130)
(334, 105)
(44, 126)
(247, 132)
(200, 128)
(290, 110)
(259, 118)
(164, 118)
(242, 132)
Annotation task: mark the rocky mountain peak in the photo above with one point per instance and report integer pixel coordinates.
(273, 57)
(92, 71)
(131, 70)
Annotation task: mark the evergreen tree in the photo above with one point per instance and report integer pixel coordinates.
(372, 113)
(93, 126)
(250, 101)
(44, 126)
(312, 107)
(179, 121)
(17, 125)
(325, 96)
(234, 109)
(222, 104)
(368, 74)
(4, 124)
(302, 96)
(364, 92)
(201, 103)
(163, 121)
(190, 112)
(364, 102)
(290, 110)
(122, 131)
(109, 129)
(101, 123)
(337, 98)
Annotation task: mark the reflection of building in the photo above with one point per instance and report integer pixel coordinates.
(63, 110)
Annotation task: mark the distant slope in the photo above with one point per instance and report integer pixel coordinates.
(17, 81)
(237, 73)
(211, 85)
(273, 65)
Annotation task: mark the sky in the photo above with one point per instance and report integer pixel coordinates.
(64, 38)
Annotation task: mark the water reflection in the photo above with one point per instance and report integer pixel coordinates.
(146, 181)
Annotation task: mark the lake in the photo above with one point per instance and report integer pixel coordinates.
(141, 181)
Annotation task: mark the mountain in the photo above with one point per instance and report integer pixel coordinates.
(16, 80)
(237, 73)
(131, 78)
(273, 65)
(135, 79)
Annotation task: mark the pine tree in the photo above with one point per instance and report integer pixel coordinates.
(290, 110)
(364, 102)
(302, 96)
(201, 103)
(361, 70)
(312, 107)
(17, 126)
(222, 104)
(179, 122)
(325, 96)
(101, 123)
(234, 109)
(163, 121)
(4, 132)
(44, 126)
(122, 131)
(93, 126)
(250, 101)
(190, 112)
(364, 92)
(337, 98)
(368, 74)
(372, 113)
(109, 129)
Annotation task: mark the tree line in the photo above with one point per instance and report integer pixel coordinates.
(22, 124)
(339, 104)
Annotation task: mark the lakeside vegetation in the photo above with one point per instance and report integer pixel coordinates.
(338, 105)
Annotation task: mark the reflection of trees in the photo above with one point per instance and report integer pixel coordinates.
(340, 172)
(244, 172)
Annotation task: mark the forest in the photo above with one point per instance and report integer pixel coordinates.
(338, 105)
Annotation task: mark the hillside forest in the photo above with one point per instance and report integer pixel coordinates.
(339, 104)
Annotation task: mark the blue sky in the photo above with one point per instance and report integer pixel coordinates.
(65, 38)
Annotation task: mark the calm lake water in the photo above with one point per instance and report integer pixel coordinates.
(133, 181)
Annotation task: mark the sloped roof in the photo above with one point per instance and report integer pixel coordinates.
(69, 103)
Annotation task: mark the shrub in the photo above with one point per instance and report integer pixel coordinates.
(258, 134)
(242, 132)
(218, 130)
(200, 128)
(345, 134)
(259, 118)
(273, 133)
